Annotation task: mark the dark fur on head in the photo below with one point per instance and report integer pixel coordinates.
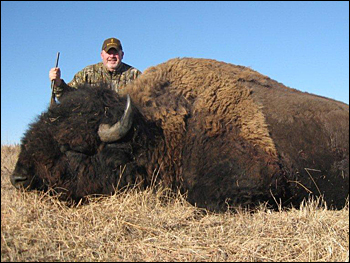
(61, 150)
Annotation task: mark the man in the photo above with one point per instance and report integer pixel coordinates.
(111, 71)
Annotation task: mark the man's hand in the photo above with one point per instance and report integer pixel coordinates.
(55, 74)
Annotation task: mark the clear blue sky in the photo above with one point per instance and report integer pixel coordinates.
(304, 45)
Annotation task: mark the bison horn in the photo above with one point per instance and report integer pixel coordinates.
(113, 133)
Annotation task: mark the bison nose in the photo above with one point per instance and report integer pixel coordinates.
(18, 181)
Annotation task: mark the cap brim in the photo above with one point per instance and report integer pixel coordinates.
(112, 46)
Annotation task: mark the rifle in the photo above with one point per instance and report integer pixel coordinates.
(53, 101)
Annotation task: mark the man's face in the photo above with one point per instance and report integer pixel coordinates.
(112, 59)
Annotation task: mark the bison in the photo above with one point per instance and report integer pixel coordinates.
(221, 133)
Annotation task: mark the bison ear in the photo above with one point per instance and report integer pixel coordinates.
(117, 131)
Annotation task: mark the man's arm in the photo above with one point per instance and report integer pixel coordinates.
(61, 87)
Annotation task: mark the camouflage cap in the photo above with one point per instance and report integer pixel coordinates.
(112, 43)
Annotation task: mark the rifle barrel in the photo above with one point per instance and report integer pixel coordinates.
(57, 58)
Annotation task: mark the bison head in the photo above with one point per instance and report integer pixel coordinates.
(84, 145)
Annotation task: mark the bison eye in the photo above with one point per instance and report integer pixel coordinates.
(64, 148)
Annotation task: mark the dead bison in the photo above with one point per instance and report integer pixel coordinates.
(223, 134)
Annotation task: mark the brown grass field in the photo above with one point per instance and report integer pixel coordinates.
(154, 225)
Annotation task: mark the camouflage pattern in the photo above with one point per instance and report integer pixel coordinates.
(97, 73)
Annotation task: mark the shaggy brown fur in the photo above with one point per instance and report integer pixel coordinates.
(273, 135)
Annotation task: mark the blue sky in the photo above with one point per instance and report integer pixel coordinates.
(304, 45)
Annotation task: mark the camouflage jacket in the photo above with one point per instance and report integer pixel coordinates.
(98, 73)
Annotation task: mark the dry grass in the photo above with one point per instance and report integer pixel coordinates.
(148, 226)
